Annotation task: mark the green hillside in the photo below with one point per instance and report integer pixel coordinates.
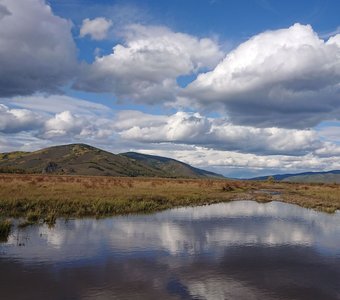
(170, 167)
(315, 178)
(81, 159)
(332, 176)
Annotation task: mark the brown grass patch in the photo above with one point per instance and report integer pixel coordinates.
(43, 198)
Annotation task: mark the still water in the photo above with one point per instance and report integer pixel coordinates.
(237, 250)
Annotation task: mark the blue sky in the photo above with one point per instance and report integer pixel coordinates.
(232, 21)
(243, 88)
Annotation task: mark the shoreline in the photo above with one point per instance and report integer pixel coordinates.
(44, 198)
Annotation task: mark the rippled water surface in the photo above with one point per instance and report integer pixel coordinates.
(237, 250)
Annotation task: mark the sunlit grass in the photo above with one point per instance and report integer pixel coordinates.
(43, 198)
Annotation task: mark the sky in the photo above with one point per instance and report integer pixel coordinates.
(243, 88)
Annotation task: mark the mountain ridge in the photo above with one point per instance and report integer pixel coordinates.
(307, 177)
(83, 159)
(167, 164)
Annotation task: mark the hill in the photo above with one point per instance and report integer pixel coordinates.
(306, 177)
(316, 178)
(81, 159)
(170, 166)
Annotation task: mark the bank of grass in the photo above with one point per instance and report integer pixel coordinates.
(43, 198)
(323, 197)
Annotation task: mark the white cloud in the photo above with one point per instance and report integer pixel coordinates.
(66, 124)
(16, 120)
(71, 119)
(283, 78)
(205, 142)
(37, 51)
(215, 133)
(57, 104)
(96, 28)
(146, 66)
(63, 124)
(227, 161)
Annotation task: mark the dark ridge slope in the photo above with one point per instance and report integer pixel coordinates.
(170, 167)
(81, 159)
(307, 177)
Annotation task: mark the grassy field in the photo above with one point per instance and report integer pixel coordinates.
(43, 198)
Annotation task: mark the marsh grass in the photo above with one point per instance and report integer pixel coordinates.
(5, 229)
(323, 197)
(43, 198)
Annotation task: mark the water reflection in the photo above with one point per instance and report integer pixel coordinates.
(238, 250)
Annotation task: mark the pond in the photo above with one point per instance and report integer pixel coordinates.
(236, 250)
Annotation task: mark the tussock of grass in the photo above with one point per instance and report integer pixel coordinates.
(5, 229)
(43, 198)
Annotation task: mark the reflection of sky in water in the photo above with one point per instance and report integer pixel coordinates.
(242, 250)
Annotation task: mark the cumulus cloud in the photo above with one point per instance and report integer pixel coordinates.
(145, 67)
(227, 162)
(66, 124)
(16, 120)
(284, 78)
(82, 119)
(63, 124)
(202, 141)
(37, 51)
(214, 133)
(96, 28)
(71, 119)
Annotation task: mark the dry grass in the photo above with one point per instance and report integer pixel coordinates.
(44, 198)
(324, 197)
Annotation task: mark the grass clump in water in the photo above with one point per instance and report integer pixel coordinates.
(5, 229)
(32, 218)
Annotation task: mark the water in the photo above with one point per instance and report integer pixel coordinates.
(237, 250)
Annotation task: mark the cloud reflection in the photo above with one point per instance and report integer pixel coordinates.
(237, 250)
(179, 231)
